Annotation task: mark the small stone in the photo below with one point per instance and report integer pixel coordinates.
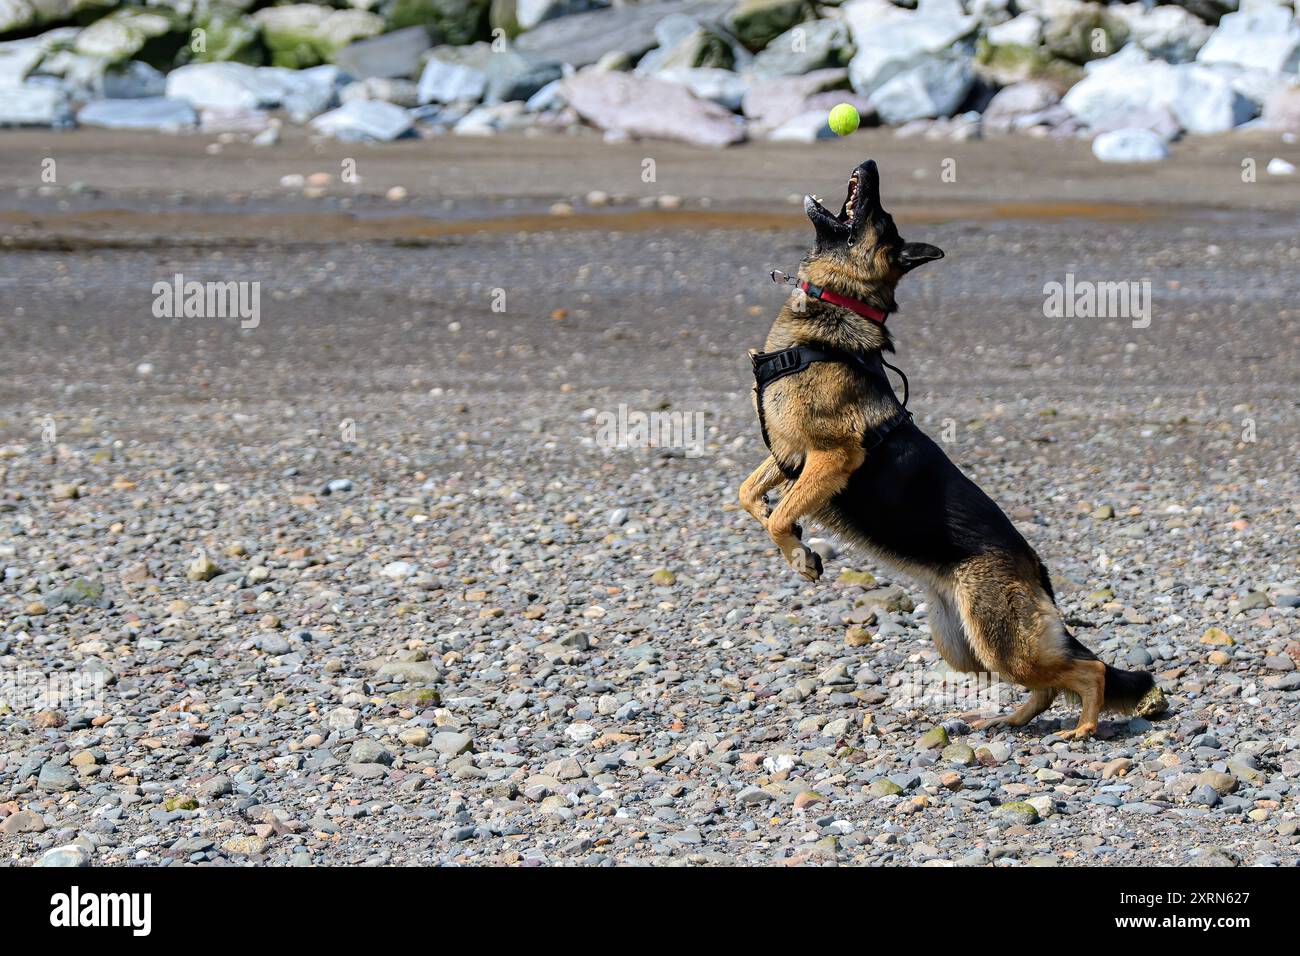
(48, 718)
(202, 568)
(857, 637)
(72, 855)
(1217, 636)
(884, 787)
(451, 744)
(24, 821)
(369, 751)
(959, 754)
(860, 578)
(245, 845)
(1017, 811)
(343, 718)
(1116, 768)
(663, 578)
(414, 737)
(807, 799)
(1223, 783)
(1214, 856)
(1254, 600)
(933, 739)
(57, 779)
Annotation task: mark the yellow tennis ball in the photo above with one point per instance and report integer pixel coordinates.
(844, 119)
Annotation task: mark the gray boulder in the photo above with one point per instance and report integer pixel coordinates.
(18, 58)
(364, 120)
(721, 86)
(649, 107)
(529, 13)
(1263, 38)
(801, 49)
(401, 92)
(1026, 30)
(126, 32)
(1019, 106)
(150, 112)
(935, 85)
(304, 34)
(445, 80)
(1077, 31)
(756, 23)
(34, 104)
(224, 86)
(1130, 90)
(774, 101)
(808, 127)
(1167, 32)
(391, 55)
(1130, 146)
(1127, 90)
(131, 80)
(584, 38)
(686, 43)
(237, 86)
(478, 72)
(1205, 101)
(1282, 109)
(1211, 11)
(891, 41)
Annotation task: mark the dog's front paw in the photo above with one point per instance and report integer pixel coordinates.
(807, 562)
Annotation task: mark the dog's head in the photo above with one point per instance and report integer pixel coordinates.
(859, 252)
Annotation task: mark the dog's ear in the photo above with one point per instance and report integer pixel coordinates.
(914, 254)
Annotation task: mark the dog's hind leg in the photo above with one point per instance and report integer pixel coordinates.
(753, 493)
(1039, 700)
(1087, 678)
(825, 474)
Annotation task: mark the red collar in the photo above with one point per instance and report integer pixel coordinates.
(834, 298)
(853, 305)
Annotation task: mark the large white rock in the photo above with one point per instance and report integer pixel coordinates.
(1024, 30)
(774, 100)
(1167, 32)
(148, 112)
(647, 106)
(364, 120)
(804, 128)
(721, 86)
(225, 86)
(17, 59)
(446, 82)
(890, 39)
(235, 86)
(1130, 90)
(34, 104)
(1130, 146)
(933, 86)
(1205, 100)
(1261, 37)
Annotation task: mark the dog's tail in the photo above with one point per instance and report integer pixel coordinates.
(1127, 692)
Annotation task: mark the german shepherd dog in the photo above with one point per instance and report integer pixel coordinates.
(851, 459)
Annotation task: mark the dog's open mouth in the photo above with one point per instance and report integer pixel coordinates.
(858, 193)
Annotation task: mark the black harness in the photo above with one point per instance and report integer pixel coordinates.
(772, 366)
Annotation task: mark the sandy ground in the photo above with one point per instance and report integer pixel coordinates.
(194, 434)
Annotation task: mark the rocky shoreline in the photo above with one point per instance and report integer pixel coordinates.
(707, 72)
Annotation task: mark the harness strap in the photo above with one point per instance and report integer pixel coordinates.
(773, 366)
